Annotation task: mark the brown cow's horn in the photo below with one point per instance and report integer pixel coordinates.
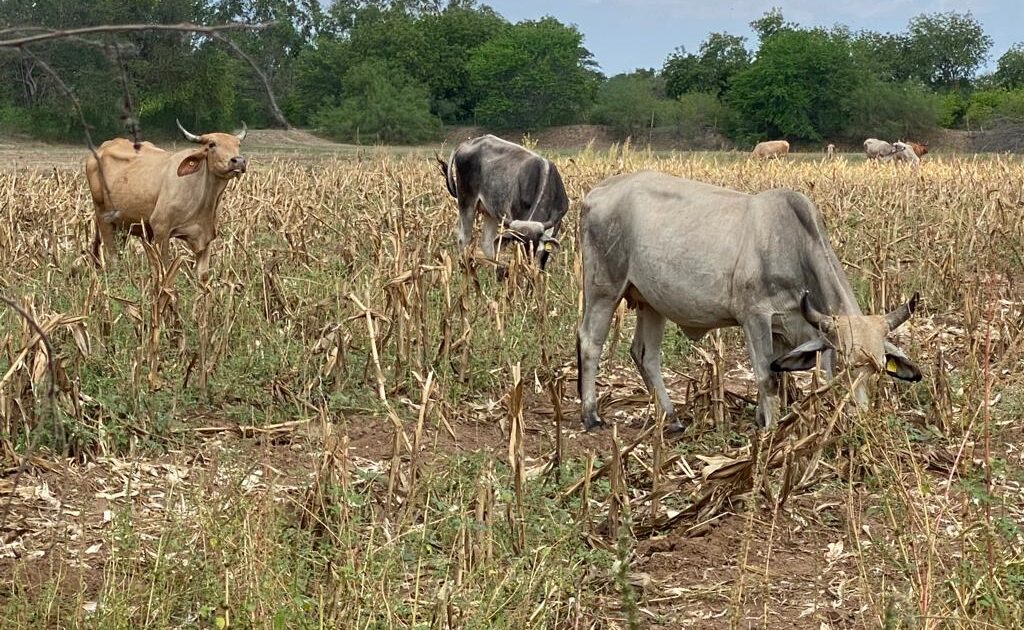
(813, 316)
(241, 134)
(191, 137)
(895, 318)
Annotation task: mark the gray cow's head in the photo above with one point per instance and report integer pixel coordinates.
(858, 342)
(537, 238)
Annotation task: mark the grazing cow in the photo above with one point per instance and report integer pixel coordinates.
(706, 257)
(920, 148)
(162, 195)
(877, 149)
(770, 149)
(905, 153)
(830, 152)
(513, 188)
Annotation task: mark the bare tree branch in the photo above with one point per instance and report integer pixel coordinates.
(274, 109)
(215, 32)
(186, 27)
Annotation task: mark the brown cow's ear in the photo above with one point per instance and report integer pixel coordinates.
(191, 164)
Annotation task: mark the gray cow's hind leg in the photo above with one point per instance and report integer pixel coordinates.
(758, 332)
(646, 353)
(467, 216)
(593, 331)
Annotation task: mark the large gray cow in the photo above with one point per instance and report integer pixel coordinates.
(707, 257)
(513, 188)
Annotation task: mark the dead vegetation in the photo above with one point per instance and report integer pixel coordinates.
(350, 427)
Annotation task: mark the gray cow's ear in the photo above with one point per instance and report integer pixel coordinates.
(802, 357)
(898, 365)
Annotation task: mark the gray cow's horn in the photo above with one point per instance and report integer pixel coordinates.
(895, 318)
(191, 137)
(813, 316)
(241, 134)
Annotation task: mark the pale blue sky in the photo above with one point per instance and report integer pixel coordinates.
(627, 34)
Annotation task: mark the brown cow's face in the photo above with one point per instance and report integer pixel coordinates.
(223, 156)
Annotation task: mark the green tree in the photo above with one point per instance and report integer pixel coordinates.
(770, 24)
(275, 49)
(721, 56)
(945, 49)
(683, 73)
(1010, 67)
(531, 75)
(882, 55)
(382, 104)
(450, 37)
(797, 87)
(629, 103)
(319, 70)
(892, 110)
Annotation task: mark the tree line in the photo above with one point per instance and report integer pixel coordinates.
(399, 71)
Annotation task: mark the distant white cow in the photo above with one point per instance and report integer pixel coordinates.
(877, 149)
(905, 153)
(771, 149)
(830, 152)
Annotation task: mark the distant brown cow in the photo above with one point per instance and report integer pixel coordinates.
(919, 148)
(770, 149)
(162, 195)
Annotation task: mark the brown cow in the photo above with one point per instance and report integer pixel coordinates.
(919, 148)
(162, 195)
(770, 149)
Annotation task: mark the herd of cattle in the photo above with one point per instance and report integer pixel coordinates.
(699, 255)
(874, 149)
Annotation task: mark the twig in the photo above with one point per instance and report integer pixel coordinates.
(185, 27)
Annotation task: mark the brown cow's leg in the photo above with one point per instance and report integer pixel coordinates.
(162, 240)
(104, 236)
(201, 248)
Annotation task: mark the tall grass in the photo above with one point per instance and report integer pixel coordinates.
(338, 301)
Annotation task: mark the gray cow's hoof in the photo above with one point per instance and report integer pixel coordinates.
(591, 422)
(675, 429)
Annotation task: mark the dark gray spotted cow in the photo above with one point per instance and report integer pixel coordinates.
(519, 194)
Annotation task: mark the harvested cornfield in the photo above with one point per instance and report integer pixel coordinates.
(349, 426)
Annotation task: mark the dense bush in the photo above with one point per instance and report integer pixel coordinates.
(892, 110)
(988, 107)
(382, 105)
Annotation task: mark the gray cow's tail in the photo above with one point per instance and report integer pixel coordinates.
(448, 171)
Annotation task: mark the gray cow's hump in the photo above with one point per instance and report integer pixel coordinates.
(495, 145)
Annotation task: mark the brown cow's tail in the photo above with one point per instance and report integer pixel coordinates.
(447, 170)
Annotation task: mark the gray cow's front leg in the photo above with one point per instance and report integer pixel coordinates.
(489, 244)
(590, 338)
(646, 353)
(758, 332)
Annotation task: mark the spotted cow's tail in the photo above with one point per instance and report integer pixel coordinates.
(447, 170)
